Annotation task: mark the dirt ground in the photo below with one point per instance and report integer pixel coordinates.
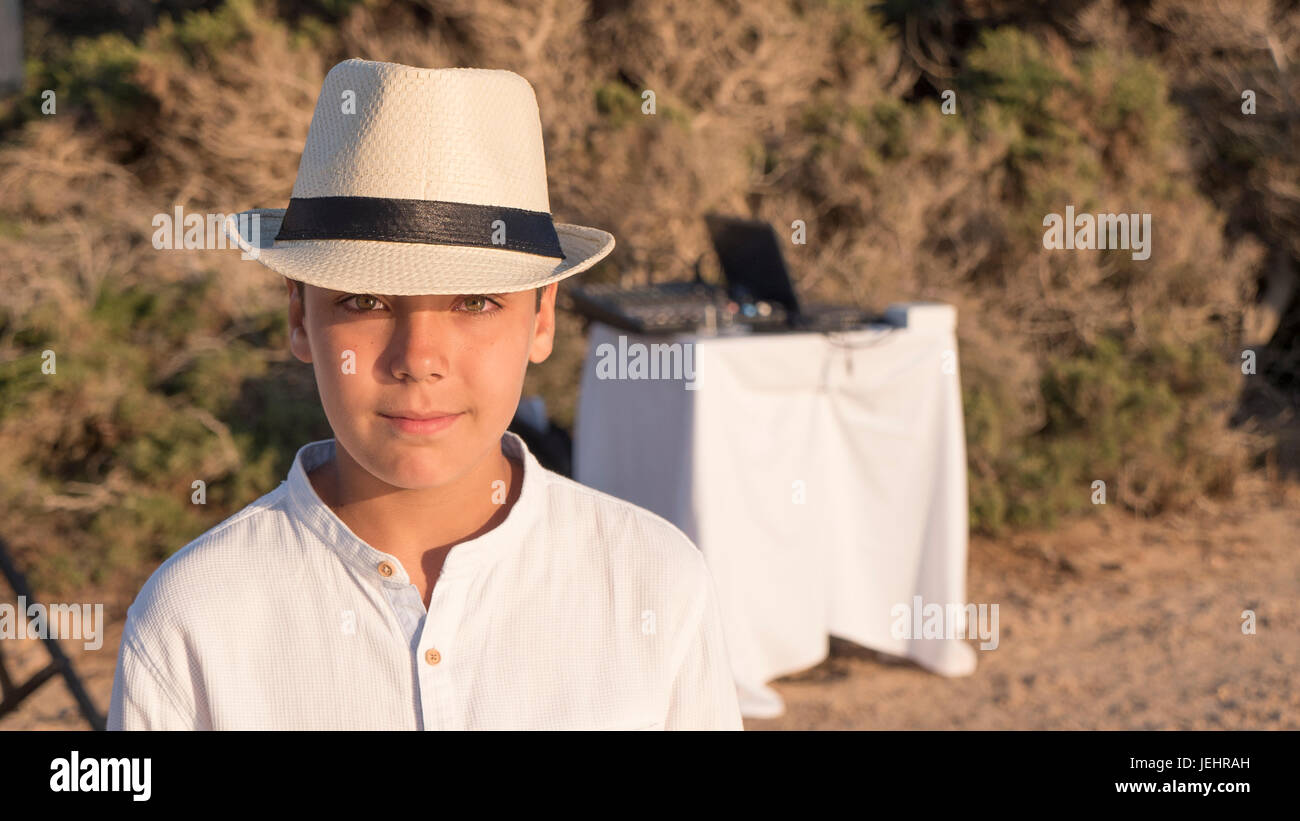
(1114, 622)
(1111, 623)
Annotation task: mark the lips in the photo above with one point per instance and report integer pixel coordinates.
(420, 423)
(417, 416)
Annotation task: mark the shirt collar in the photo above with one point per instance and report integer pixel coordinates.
(463, 558)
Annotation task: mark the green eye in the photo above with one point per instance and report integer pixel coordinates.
(479, 305)
(366, 303)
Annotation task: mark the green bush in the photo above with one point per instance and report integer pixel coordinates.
(1134, 418)
(1067, 378)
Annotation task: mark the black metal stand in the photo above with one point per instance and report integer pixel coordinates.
(59, 664)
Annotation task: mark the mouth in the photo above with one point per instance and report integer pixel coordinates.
(421, 424)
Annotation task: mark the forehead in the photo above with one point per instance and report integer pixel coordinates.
(505, 299)
(301, 286)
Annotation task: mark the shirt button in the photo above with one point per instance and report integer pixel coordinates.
(385, 569)
(432, 656)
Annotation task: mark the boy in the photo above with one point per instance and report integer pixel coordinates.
(421, 570)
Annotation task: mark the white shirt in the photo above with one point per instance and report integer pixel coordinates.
(578, 611)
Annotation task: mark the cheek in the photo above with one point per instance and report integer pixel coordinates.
(343, 361)
(493, 367)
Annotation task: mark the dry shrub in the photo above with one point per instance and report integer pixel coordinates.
(787, 111)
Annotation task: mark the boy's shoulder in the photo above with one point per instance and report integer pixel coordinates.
(257, 542)
(219, 559)
(616, 525)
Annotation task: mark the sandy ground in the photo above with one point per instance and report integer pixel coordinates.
(1116, 623)
(1109, 623)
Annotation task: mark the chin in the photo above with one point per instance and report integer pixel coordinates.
(416, 478)
(422, 482)
(417, 468)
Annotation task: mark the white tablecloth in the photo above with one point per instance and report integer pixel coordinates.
(822, 476)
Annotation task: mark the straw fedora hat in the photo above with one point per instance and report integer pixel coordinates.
(420, 181)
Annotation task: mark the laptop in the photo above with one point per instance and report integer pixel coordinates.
(751, 258)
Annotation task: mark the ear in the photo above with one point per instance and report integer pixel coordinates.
(298, 342)
(544, 326)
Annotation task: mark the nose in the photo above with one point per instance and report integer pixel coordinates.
(419, 347)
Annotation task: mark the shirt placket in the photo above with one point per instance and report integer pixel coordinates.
(408, 611)
(436, 654)
(430, 637)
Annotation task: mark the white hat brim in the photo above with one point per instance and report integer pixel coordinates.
(407, 268)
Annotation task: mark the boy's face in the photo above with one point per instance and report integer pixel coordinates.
(380, 357)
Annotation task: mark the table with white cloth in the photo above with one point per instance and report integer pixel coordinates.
(822, 475)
